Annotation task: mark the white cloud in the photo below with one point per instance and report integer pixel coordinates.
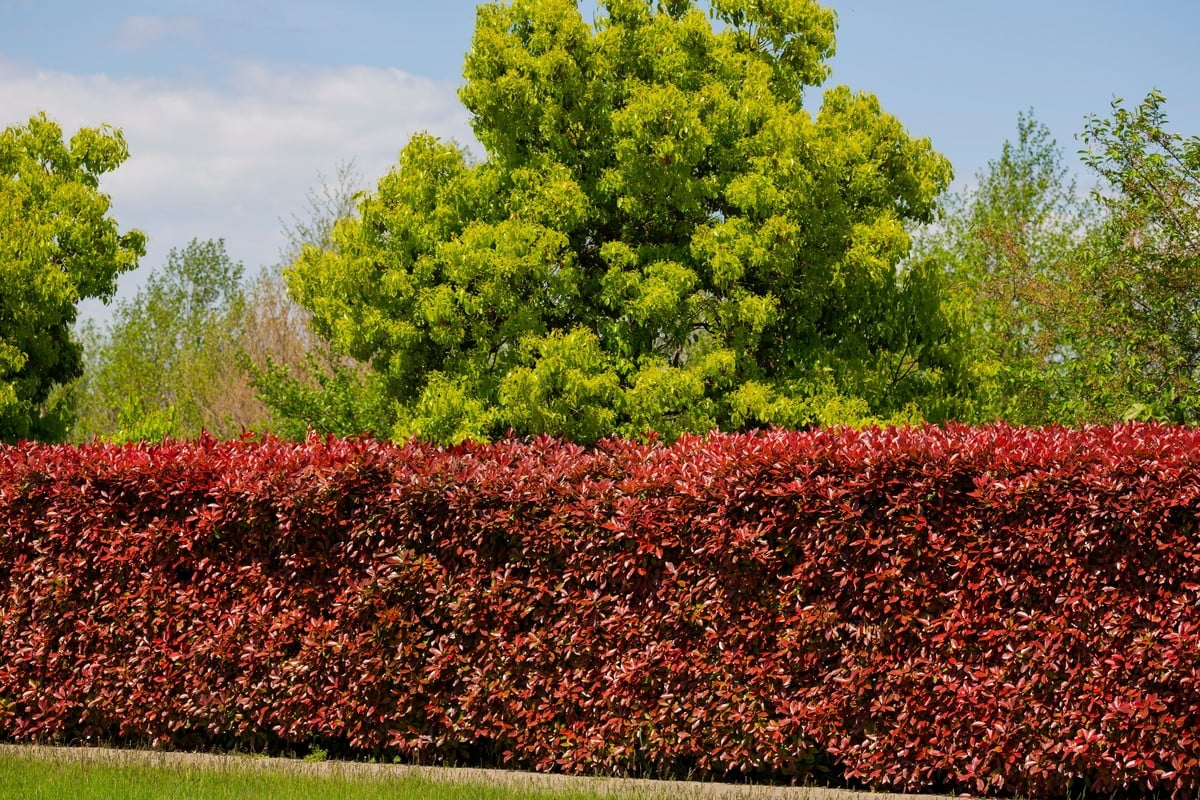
(232, 160)
(139, 32)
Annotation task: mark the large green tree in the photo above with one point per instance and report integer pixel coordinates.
(58, 245)
(661, 236)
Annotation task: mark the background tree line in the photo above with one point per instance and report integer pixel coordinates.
(662, 236)
(1075, 307)
(192, 350)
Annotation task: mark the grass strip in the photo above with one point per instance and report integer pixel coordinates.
(33, 772)
(29, 778)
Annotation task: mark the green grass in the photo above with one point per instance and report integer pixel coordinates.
(29, 778)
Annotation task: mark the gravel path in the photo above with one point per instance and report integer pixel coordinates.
(606, 787)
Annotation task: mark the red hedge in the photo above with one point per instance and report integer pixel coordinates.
(995, 609)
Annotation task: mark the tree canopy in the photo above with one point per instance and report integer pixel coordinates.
(1009, 247)
(1144, 264)
(1077, 308)
(58, 245)
(660, 236)
(167, 363)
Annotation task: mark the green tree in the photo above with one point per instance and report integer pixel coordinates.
(1010, 248)
(167, 364)
(58, 245)
(1143, 270)
(1080, 310)
(660, 236)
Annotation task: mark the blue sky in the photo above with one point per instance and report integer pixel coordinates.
(232, 108)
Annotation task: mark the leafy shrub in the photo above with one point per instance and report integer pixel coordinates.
(995, 609)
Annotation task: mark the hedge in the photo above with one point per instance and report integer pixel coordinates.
(990, 609)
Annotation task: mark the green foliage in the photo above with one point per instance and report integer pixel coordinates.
(167, 364)
(661, 237)
(1009, 248)
(57, 246)
(136, 422)
(1081, 310)
(305, 385)
(322, 394)
(1145, 263)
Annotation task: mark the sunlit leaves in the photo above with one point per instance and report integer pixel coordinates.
(58, 245)
(654, 190)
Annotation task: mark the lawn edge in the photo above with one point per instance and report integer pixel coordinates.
(607, 787)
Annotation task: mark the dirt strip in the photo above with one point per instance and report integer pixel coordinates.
(519, 781)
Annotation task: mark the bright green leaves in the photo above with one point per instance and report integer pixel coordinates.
(660, 237)
(669, 400)
(871, 157)
(797, 35)
(570, 388)
(659, 143)
(660, 302)
(528, 82)
(57, 246)
(447, 410)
